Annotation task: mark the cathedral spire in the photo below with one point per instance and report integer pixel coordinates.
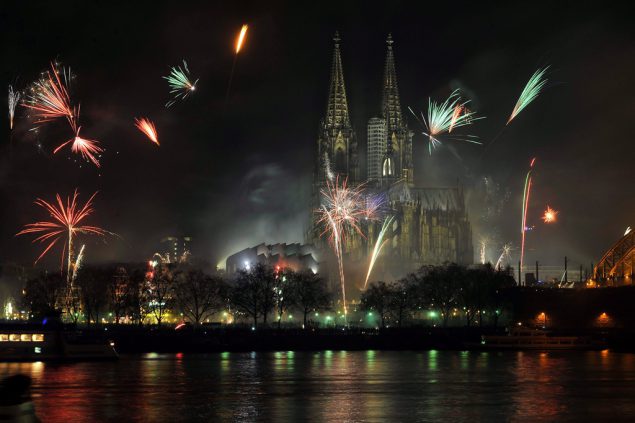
(391, 105)
(337, 106)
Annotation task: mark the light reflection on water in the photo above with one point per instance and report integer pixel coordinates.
(337, 386)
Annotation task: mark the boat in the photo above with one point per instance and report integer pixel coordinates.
(25, 342)
(537, 339)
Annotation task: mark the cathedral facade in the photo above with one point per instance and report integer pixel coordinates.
(430, 224)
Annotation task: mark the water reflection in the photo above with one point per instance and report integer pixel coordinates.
(337, 386)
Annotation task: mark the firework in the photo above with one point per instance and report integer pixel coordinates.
(550, 215)
(379, 244)
(483, 249)
(48, 97)
(327, 168)
(78, 263)
(523, 229)
(530, 92)
(343, 208)
(66, 223)
(87, 148)
(147, 127)
(445, 117)
(241, 38)
(180, 83)
(505, 254)
(14, 98)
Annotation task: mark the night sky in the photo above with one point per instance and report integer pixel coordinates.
(233, 174)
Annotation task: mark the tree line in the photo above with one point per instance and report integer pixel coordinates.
(255, 295)
(138, 294)
(473, 293)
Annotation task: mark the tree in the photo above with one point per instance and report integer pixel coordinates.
(497, 285)
(93, 283)
(253, 292)
(136, 289)
(441, 284)
(402, 299)
(310, 292)
(284, 292)
(378, 297)
(119, 293)
(41, 294)
(198, 295)
(159, 292)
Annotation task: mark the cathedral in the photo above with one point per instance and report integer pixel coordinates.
(430, 224)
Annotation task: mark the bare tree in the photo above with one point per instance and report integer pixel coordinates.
(253, 292)
(199, 295)
(377, 297)
(93, 283)
(159, 293)
(311, 293)
(41, 294)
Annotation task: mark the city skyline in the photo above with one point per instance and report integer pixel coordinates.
(230, 195)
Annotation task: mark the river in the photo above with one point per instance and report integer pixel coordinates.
(339, 386)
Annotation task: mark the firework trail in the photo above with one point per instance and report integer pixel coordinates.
(526, 193)
(48, 97)
(342, 209)
(483, 249)
(180, 83)
(147, 127)
(505, 254)
(379, 244)
(327, 168)
(627, 231)
(444, 117)
(66, 223)
(550, 215)
(239, 45)
(14, 99)
(78, 263)
(530, 92)
(87, 148)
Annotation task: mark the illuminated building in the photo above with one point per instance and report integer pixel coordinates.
(295, 256)
(431, 224)
(376, 148)
(175, 249)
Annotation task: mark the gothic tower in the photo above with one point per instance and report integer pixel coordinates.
(337, 146)
(397, 163)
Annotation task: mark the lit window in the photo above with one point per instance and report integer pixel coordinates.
(4, 337)
(14, 337)
(25, 337)
(38, 337)
(37, 350)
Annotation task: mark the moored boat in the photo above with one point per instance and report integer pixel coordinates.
(25, 342)
(536, 339)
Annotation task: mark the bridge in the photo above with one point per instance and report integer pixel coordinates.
(616, 266)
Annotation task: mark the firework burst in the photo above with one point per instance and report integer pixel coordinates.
(65, 224)
(530, 92)
(445, 117)
(550, 215)
(147, 127)
(180, 83)
(87, 148)
(505, 255)
(48, 97)
(14, 99)
(340, 214)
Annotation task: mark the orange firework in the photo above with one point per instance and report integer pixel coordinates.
(147, 127)
(458, 109)
(550, 215)
(66, 222)
(241, 38)
(49, 99)
(87, 148)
